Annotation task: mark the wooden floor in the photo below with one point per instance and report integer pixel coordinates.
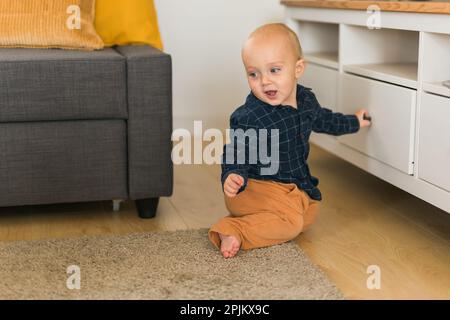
(364, 221)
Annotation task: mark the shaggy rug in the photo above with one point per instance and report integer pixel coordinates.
(161, 265)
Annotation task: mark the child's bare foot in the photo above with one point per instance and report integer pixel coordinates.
(229, 245)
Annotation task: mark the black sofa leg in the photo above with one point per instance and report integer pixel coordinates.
(147, 207)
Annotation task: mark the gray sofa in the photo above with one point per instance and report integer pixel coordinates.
(85, 126)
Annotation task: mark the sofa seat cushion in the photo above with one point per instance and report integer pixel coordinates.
(42, 84)
(62, 161)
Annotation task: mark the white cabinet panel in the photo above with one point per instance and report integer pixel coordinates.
(390, 138)
(434, 140)
(323, 82)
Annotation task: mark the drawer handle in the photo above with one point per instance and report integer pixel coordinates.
(367, 118)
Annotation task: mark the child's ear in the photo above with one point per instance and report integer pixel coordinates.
(299, 68)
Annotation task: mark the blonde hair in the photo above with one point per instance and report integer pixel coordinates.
(283, 29)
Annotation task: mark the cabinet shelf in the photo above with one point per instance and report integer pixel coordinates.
(326, 59)
(320, 42)
(436, 88)
(403, 74)
(436, 63)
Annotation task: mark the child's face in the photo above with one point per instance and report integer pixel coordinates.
(272, 69)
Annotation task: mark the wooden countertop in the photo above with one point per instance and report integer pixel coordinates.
(400, 6)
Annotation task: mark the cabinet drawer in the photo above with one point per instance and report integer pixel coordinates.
(434, 140)
(390, 138)
(323, 82)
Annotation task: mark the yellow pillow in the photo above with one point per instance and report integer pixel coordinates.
(121, 22)
(67, 24)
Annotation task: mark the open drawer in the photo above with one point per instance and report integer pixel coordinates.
(390, 138)
(434, 140)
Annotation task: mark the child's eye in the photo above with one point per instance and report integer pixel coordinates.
(275, 70)
(252, 74)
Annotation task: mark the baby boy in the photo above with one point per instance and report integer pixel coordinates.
(271, 208)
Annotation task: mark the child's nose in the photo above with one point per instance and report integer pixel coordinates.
(265, 80)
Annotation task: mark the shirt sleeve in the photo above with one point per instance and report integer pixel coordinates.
(334, 123)
(233, 153)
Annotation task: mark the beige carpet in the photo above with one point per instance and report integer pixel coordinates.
(166, 265)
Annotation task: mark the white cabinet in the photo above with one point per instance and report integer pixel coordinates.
(384, 68)
(324, 82)
(434, 140)
(386, 54)
(390, 138)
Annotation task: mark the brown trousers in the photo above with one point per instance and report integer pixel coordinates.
(266, 213)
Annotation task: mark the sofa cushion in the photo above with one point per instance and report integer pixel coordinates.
(121, 22)
(40, 84)
(62, 161)
(49, 24)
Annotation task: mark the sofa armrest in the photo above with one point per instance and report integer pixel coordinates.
(149, 90)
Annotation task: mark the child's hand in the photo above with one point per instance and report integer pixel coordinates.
(232, 184)
(364, 118)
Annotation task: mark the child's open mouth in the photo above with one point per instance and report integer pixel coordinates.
(271, 94)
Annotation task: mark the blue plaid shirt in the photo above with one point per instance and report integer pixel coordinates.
(294, 128)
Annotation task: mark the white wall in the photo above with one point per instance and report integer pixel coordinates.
(204, 38)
